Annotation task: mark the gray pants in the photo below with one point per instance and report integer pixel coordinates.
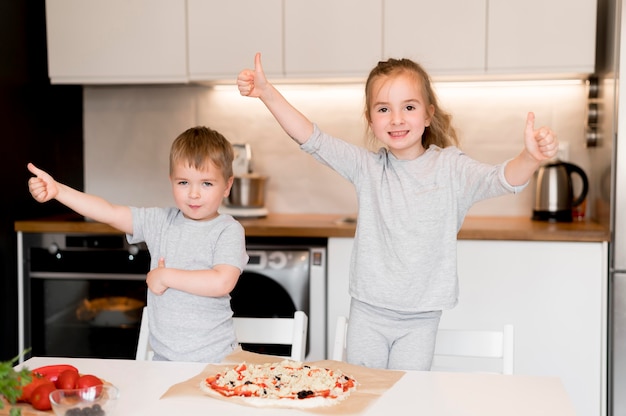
(383, 338)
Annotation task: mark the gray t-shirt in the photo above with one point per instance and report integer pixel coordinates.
(183, 326)
(410, 211)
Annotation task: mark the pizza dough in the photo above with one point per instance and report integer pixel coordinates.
(288, 384)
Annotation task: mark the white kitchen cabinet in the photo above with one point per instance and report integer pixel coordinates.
(332, 38)
(467, 37)
(224, 37)
(177, 41)
(446, 36)
(538, 36)
(554, 293)
(116, 41)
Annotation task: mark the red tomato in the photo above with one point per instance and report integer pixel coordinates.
(89, 380)
(40, 399)
(27, 390)
(67, 379)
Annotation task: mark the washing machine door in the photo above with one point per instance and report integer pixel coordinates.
(258, 296)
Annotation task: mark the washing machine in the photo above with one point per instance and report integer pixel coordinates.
(283, 276)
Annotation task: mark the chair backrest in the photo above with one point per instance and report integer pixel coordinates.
(283, 331)
(144, 352)
(457, 350)
(461, 344)
(339, 346)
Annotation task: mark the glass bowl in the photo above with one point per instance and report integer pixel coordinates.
(89, 401)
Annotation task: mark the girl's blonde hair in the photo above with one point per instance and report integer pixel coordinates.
(199, 146)
(440, 132)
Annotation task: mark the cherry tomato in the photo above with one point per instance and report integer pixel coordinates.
(27, 390)
(89, 380)
(40, 399)
(67, 379)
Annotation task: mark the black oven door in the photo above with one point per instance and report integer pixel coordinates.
(85, 303)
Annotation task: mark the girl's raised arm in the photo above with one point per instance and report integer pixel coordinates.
(252, 83)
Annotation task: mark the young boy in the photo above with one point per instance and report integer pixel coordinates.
(197, 254)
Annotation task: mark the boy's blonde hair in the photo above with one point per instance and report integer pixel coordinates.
(199, 146)
(440, 132)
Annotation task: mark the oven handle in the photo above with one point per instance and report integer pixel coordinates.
(85, 276)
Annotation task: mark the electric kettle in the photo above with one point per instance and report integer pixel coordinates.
(554, 195)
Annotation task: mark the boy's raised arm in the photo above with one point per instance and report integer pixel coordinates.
(43, 188)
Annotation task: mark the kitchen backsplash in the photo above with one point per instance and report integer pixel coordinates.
(129, 130)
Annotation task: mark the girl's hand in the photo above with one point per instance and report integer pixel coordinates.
(42, 187)
(251, 83)
(542, 143)
(155, 277)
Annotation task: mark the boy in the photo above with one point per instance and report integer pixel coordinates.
(196, 253)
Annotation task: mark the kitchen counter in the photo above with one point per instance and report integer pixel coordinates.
(328, 225)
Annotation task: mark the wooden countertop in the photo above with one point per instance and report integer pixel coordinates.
(326, 225)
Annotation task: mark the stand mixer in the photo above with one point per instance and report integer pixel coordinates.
(247, 196)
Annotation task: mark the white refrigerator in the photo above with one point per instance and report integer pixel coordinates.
(617, 261)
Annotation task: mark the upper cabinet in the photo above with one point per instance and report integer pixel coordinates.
(225, 35)
(493, 37)
(445, 36)
(332, 38)
(173, 41)
(538, 36)
(116, 41)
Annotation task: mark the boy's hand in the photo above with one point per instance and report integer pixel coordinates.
(542, 143)
(154, 279)
(42, 186)
(252, 82)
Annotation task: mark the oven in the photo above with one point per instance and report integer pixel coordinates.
(80, 295)
(284, 275)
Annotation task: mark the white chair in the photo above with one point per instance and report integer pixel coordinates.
(458, 345)
(284, 331)
(339, 347)
(471, 350)
(144, 351)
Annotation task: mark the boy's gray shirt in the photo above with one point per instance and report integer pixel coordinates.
(410, 211)
(183, 326)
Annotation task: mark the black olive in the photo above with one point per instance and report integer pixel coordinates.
(304, 394)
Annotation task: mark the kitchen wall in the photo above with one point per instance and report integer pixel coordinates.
(128, 132)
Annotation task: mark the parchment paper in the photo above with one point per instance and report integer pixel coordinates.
(372, 383)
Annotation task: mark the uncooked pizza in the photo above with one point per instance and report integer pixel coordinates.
(285, 384)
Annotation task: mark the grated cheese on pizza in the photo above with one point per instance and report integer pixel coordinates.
(285, 381)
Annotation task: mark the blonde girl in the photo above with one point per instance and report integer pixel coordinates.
(413, 194)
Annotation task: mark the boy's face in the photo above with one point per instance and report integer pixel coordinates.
(199, 193)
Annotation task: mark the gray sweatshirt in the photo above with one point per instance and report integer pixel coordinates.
(410, 211)
(183, 326)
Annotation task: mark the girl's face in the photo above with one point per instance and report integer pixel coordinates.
(399, 114)
(199, 193)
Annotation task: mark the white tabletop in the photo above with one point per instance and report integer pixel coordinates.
(142, 383)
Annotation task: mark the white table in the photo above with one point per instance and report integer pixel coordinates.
(142, 383)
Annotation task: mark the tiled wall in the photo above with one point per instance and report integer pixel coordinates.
(128, 132)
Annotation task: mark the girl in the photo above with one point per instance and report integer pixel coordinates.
(413, 195)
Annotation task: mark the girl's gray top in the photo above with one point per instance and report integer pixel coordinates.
(183, 326)
(410, 211)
